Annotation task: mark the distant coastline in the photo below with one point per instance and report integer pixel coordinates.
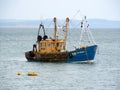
(94, 23)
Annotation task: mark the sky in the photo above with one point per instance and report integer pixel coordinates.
(37, 9)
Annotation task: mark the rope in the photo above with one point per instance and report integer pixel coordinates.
(49, 24)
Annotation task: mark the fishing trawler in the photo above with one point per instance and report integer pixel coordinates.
(53, 49)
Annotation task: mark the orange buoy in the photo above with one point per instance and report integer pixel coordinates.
(83, 47)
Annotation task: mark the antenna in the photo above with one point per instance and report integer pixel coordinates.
(41, 19)
(78, 12)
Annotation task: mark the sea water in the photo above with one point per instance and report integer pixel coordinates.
(104, 74)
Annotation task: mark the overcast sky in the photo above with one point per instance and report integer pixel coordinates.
(35, 9)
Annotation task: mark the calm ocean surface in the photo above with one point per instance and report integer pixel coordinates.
(104, 74)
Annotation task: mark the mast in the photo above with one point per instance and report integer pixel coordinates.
(65, 34)
(55, 29)
(86, 37)
(55, 33)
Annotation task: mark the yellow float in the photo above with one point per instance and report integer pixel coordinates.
(83, 47)
(18, 73)
(32, 74)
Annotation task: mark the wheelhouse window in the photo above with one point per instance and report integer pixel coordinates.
(45, 44)
(41, 45)
(48, 44)
(53, 45)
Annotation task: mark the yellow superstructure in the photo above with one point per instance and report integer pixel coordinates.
(50, 45)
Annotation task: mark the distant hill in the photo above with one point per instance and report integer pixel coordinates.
(94, 23)
(100, 23)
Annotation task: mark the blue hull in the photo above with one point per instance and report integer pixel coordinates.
(83, 54)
